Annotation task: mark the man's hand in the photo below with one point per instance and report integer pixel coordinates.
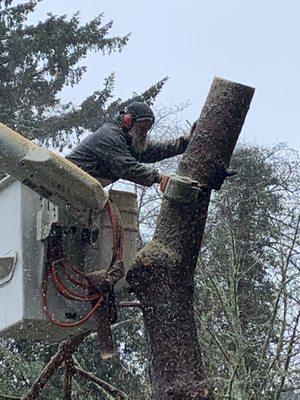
(163, 183)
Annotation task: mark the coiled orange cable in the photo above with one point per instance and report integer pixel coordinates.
(51, 269)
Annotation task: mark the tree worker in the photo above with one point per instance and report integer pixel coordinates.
(120, 147)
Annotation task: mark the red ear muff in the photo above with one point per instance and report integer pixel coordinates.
(128, 121)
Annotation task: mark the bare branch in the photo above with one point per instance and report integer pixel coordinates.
(8, 397)
(288, 357)
(53, 365)
(129, 304)
(117, 393)
(68, 375)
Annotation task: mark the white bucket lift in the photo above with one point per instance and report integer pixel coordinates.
(54, 195)
(25, 223)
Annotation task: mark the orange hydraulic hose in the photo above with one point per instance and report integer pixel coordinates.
(118, 241)
(66, 324)
(67, 292)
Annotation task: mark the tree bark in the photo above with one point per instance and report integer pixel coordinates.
(162, 275)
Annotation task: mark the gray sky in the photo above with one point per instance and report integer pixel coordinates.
(255, 42)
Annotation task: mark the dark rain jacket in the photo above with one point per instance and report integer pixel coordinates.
(108, 154)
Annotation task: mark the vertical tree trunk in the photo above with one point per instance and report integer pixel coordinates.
(163, 273)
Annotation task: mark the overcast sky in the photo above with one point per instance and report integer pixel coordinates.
(255, 42)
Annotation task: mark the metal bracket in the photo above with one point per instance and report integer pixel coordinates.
(47, 215)
(184, 190)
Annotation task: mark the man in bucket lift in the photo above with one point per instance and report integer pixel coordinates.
(120, 148)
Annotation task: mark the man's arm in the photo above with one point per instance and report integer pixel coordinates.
(127, 167)
(157, 151)
(116, 157)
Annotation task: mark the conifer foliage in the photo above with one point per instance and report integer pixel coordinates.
(38, 61)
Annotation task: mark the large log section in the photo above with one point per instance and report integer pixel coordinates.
(162, 276)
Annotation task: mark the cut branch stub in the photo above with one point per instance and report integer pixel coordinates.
(217, 131)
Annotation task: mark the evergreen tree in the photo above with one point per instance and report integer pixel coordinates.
(38, 61)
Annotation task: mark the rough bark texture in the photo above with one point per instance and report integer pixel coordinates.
(163, 273)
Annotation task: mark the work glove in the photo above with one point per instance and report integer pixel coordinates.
(220, 176)
(163, 183)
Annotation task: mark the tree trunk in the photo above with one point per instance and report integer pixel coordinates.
(162, 276)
